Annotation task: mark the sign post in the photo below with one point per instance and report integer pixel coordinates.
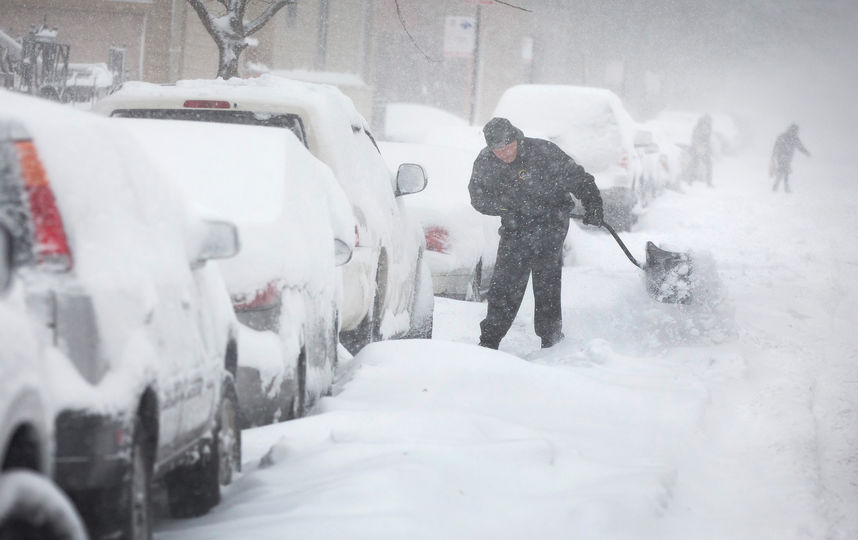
(462, 39)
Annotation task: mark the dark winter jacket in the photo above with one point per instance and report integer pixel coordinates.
(534, 190)
(785, 146)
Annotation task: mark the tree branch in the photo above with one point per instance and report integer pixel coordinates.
(206, 19)
(238, 8)
(269, 12)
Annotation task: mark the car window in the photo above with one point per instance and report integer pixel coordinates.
(291, 122)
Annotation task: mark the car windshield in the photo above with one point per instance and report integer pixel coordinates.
(290, 121)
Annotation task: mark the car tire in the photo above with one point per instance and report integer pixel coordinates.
(33, 508)
(194, 489)
(369, 329)
(474, 292)
(299, 401)
(333, 351)
(134, 497)
(228, 435)
(422, 302)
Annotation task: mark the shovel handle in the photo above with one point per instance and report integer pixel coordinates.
(616, 237)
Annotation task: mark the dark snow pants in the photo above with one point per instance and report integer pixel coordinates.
(701, 168)
(536, 250)
(782, 173)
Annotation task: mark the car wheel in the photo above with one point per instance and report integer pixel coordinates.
(299, 401)
(423, 302)
(135, 496)
(33, 508)
(474, 292)
(369, 329)
(333, 354)
(228, 437)
(194, 489)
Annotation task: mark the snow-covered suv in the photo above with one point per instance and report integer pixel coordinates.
(31, 506)
(387, 284)
(115, 275)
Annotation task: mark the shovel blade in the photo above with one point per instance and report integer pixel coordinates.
(668, 275)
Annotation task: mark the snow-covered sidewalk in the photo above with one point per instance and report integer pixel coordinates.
(731, 418)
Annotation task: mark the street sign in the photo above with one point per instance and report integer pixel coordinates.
(459, 37)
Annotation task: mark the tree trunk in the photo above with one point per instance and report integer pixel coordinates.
(228, 61)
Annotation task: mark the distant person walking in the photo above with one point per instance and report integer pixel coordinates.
(781, 163)
(529, 183)
(701, 150)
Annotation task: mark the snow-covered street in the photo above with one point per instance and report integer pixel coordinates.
(733, 417)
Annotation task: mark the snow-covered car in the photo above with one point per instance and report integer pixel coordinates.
(591, 125)
(296, 226)
(114, 269)
(672, 159)
(31, 505)
(387, 289)
(461, 243)
(659, 170)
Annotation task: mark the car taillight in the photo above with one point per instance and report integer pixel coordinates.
(51, 245)
(205, 104)
(436, 239)
(264, 299)
(357, 237)
(624, 161)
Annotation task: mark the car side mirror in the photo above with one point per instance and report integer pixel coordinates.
(342, 252)
(216, 240)
(5, 258)
(410, 178)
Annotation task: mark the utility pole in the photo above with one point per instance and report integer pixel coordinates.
(476, 67)
(322, 37)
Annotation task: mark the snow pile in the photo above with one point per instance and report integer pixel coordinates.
(468, 443)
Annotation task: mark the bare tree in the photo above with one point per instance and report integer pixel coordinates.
(225, 22)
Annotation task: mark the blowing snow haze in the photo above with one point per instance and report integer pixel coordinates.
(768, 62)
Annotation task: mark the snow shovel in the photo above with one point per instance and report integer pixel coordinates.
(668, 274)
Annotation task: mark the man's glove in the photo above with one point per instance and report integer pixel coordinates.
(593, 216)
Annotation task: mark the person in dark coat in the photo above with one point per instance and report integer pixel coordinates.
(701, 150)
(529, 183)
(785, 147)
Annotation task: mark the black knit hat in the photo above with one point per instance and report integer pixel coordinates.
(500, 132)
